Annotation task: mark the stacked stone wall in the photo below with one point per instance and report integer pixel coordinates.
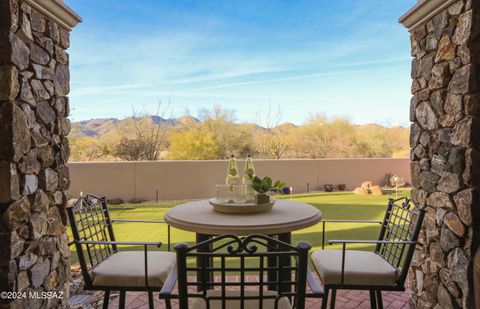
(445, 167)
(34, 83)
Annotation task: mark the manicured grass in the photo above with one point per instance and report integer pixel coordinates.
(332, 205)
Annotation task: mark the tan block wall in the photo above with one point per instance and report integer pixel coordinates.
(197, 179)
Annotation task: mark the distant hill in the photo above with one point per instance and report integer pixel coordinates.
(98, 127)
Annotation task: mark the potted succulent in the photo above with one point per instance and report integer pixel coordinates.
(265, 186)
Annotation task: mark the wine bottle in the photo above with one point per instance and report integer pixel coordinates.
(233, 178)
(248, 176)
(249, 172)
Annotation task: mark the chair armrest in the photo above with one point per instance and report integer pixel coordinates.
(353, 221)
(343, 221)
(148, 221)
(404, 242)
(137, 221)
(169, 284)
(132, 243)
(317, 291)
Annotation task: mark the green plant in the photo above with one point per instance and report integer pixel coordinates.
(262, 186)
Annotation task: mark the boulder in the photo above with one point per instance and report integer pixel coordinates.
(376, 190)
(359, 191)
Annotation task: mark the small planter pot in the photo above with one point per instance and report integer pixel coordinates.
(328, 187)
(262, 199)
(342, 187)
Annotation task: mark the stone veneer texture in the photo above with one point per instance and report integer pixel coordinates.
(34, 83)
(445, 167)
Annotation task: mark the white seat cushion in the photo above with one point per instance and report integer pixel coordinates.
(127, 269)
(361, 268)
(283, 303)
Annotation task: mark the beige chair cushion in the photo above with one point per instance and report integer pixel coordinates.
(361, 268)
(199, 303)
(127, 269)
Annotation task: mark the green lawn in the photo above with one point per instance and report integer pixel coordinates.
(332, 206)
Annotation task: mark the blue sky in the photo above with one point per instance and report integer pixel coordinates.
(338, 58)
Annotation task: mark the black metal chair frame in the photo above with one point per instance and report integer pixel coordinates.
(396, 242)
(240, 249)
(92, 230)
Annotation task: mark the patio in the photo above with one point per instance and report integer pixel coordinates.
(346, 299)
(337, 205)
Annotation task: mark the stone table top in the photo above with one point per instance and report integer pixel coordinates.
(286, 216)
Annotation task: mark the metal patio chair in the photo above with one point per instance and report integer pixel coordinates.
(384, 269)
(107, 268)
(225, 281)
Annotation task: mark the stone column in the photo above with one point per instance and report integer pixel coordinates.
(445, 141)
(34, 84)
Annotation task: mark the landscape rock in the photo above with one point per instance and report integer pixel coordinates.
(376, 190)
(359, 191)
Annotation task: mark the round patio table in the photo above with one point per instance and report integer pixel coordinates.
(285, 216)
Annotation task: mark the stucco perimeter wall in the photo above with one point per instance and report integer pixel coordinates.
(197, 179)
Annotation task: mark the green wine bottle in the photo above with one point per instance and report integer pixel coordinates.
(233, 177)
(249, 172)
(248, 176)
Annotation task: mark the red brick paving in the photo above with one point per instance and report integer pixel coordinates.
(346, 299)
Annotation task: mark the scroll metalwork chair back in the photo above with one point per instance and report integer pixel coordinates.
(90, 221)
(106, 268)
(226, 280)
(384, 269)
(399, 234)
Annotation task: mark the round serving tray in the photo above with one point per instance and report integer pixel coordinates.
(241, 209)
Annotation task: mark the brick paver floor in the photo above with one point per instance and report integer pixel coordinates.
(345, 299)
